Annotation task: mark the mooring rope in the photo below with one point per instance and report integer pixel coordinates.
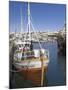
(19, 69)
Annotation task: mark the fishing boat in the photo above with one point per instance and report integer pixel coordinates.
(30, 62)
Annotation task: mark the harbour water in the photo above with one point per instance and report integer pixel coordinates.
(56, 72)
(56, 69)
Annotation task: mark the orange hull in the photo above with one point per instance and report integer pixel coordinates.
(34, 75)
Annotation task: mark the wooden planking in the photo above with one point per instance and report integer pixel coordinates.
(34, 75)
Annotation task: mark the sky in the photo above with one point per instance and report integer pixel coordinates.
(44, 17)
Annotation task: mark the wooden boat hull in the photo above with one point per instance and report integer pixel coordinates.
(32, 70)
(34, 75)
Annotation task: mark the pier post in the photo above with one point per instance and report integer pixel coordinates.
(42, 68)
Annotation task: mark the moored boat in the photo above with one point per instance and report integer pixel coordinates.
(30, 62)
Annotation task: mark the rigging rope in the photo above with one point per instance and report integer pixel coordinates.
(35, 33)
(19, 69)
(37, 37)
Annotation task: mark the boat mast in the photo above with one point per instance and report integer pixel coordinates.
(29, 21)
(21, 20)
